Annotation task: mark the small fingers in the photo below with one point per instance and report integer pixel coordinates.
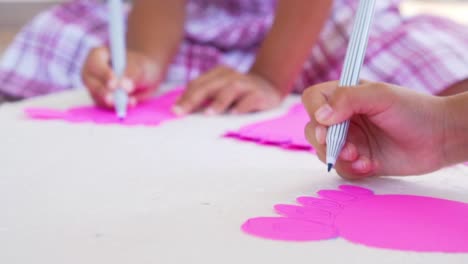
(360, 168)
(249, 103)
(125, 83)
(311, 136)
(98, 64)
(99, 92)
(141, 95)
(223, 100)
(211, 76)
(197, 95)
(316, 96)
(349, 152)
(191, 100)
(321, 134)
(140, 74)
(350, 165)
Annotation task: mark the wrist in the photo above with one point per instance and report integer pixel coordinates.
(270, 79)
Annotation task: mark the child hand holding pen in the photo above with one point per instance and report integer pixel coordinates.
(393, 131)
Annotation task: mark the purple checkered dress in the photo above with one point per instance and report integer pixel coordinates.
(425, 53)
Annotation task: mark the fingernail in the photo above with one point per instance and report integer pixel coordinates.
(324, 113)
(361, 165)
(177, 110)
(210, 112)
(320, 134)
(127, 85)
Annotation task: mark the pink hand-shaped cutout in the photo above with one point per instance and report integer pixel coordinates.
(286, 131)
(403, 222)
(150, 113)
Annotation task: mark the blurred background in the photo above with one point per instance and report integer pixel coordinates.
(14, 13)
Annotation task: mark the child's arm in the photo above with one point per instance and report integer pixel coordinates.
(394, 131)
(155, 30)
(296, 28)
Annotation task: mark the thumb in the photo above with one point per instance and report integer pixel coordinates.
(367, 99)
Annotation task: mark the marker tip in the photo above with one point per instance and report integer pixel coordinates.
(121, 116)
(330, 166)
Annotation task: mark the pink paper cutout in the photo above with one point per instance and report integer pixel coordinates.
(286, 131)
(401, 222)
(149, 113)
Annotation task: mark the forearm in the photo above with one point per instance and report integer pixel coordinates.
(456, 127)
(296, 29)
(155, 28)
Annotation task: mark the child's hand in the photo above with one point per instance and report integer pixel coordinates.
(393, 131)
(224, 88)
(142, 77)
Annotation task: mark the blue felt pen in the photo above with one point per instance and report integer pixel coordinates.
(118, 53)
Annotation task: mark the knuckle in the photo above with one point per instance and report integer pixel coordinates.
(307, 95)
(308, 91)
(221, 101)
(191, 100)
(194, 88)
(197, 97)
(340, 96)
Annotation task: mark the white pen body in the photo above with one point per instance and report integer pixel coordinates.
(118, 52)
(354, 59)
(336, 139)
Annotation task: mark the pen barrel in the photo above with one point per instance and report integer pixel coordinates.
(121, 102)
(355, 54)
(358, 41)
(117, 36)
(336, 139)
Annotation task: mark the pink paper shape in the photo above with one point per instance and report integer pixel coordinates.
(401, 222)
(286, 131)
(149, 113)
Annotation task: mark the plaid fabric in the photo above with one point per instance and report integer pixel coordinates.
(424, 53)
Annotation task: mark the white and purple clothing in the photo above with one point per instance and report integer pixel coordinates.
(424, 53)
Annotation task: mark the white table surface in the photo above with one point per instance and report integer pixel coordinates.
(177, 193)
